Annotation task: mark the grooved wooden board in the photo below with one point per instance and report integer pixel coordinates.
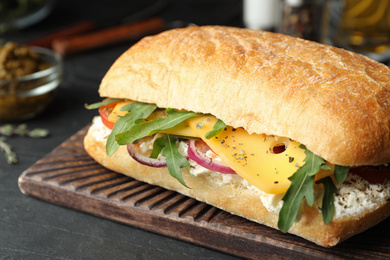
(67, 176)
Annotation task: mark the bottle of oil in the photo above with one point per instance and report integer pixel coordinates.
(365, 26)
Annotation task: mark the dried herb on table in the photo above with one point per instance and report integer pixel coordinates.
(20, 130)
(7, 149)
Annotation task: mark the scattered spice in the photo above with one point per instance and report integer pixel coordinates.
(7, 149)
(200, 125)
(20, 130)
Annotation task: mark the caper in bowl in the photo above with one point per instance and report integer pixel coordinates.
(29, 77)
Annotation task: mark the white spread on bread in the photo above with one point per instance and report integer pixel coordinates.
(102, 132)
(355, 196)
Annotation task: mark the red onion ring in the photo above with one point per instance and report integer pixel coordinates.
(199, 156)
(145, 160)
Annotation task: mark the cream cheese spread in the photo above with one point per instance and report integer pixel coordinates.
(101, 132)
(357, 195)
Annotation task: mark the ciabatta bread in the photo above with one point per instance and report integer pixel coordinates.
(333, 101)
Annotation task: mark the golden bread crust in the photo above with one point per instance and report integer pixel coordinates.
(234, 197)
(333, 101)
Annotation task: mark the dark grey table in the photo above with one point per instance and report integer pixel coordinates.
(34, 229)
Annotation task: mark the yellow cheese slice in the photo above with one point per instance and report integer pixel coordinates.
(254, 157)
(182, 129)
(117, 113)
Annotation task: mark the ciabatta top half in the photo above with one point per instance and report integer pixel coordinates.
(335, 102)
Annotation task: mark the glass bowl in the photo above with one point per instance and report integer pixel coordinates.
(25, 97)
(19, 14)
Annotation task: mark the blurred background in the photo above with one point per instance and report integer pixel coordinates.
(53, 56)
(87, 36)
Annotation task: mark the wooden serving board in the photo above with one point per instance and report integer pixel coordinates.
(67, 176)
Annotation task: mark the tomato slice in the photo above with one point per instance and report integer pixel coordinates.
(104, 112)
(373, 174)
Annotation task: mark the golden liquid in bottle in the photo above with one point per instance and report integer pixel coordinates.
(365, 26)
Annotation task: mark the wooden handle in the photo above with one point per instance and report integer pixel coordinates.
(76, 29)
(121, 33)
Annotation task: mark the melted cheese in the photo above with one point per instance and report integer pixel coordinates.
(252, 156)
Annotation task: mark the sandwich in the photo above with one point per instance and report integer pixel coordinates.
(285, 132)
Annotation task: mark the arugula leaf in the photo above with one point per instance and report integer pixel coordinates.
(158, 145)
(139, 131)
(314, 162)
(328, 200)
(138, 111)
(217, 128)
(103, 103)
(301, 187)
(175, 161)
(130, 107)
(340, 173)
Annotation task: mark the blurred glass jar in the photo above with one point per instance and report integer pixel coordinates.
(18, 14)
(305, 19)
(364, 26)
(23, 96)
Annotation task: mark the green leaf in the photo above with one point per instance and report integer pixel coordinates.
(103, 103)
(158, 145)
(217, 128)
(138, 111)
(313, 162)
(328, 200)
(175, 161)
(301, 187)
(139, 131)
(340, 173)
